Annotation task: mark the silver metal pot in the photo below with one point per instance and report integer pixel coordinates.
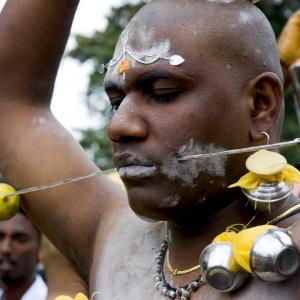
(269, 195)
(273, 256)
(219, 268)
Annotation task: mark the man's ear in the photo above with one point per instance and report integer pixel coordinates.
(266, 105)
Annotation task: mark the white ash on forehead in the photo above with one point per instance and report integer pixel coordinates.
(188, 171)
(244, 17)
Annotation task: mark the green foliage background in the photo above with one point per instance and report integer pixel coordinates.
(99, 47)
(278, 12)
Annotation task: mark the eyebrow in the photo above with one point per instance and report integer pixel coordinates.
(150, 77)
(155, 75)
(110, 85)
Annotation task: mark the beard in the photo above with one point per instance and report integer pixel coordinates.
(8, 279)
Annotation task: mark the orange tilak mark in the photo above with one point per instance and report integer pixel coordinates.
(124, 66)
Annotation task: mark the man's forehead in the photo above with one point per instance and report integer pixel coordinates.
(145, 46)
(143, 38)
(19, 223)
(230, 32)
(149, 29)
(185, 20)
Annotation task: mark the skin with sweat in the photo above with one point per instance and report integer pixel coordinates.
(222, 97)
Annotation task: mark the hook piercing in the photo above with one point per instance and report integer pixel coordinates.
(268, 137)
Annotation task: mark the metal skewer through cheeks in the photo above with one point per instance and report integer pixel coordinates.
(241, 150)
(180, 159)
(58, 183)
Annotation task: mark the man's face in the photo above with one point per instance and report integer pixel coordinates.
(19, 246)
(165, 111)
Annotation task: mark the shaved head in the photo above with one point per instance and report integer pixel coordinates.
(234, 35)
(235, 32)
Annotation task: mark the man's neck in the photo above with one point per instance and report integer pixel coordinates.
(16, 290)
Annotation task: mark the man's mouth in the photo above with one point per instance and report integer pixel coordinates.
(137, 171)
(133, 167)
(6, 264)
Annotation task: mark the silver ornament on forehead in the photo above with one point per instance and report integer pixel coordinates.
(101, 68)
(145, 58)
(176, 60)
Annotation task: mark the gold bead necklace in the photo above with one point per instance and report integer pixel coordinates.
(177, 272)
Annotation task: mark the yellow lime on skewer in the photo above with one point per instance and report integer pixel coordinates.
(8, 206)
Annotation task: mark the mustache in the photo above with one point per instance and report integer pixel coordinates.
(8, 259)
(132, 160)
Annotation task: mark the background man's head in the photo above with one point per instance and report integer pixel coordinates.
(19, 249)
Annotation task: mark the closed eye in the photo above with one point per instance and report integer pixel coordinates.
(115, 102)
(21, 238)
(115, 95)
(115, 99)
(164, 95)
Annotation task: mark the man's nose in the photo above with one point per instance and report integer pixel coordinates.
(127, 124)
(6, 246)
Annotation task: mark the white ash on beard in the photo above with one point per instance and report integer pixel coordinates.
(188, 171)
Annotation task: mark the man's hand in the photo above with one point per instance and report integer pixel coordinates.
(33, 35)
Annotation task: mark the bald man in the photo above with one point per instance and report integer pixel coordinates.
(186, 77)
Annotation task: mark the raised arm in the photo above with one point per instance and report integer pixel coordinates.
(35, 148)
(33, 35)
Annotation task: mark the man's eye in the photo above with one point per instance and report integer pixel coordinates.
(165, 96)
(21, 238)
(114, 107)
(115, 102)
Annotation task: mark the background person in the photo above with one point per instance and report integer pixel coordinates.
(20, 243)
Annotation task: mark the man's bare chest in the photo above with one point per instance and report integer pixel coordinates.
(125, 266)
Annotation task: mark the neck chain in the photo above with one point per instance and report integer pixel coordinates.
(176, 272)
(184, 292)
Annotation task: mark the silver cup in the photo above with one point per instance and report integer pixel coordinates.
(273, 256)
(268, 196)
(219, 268)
